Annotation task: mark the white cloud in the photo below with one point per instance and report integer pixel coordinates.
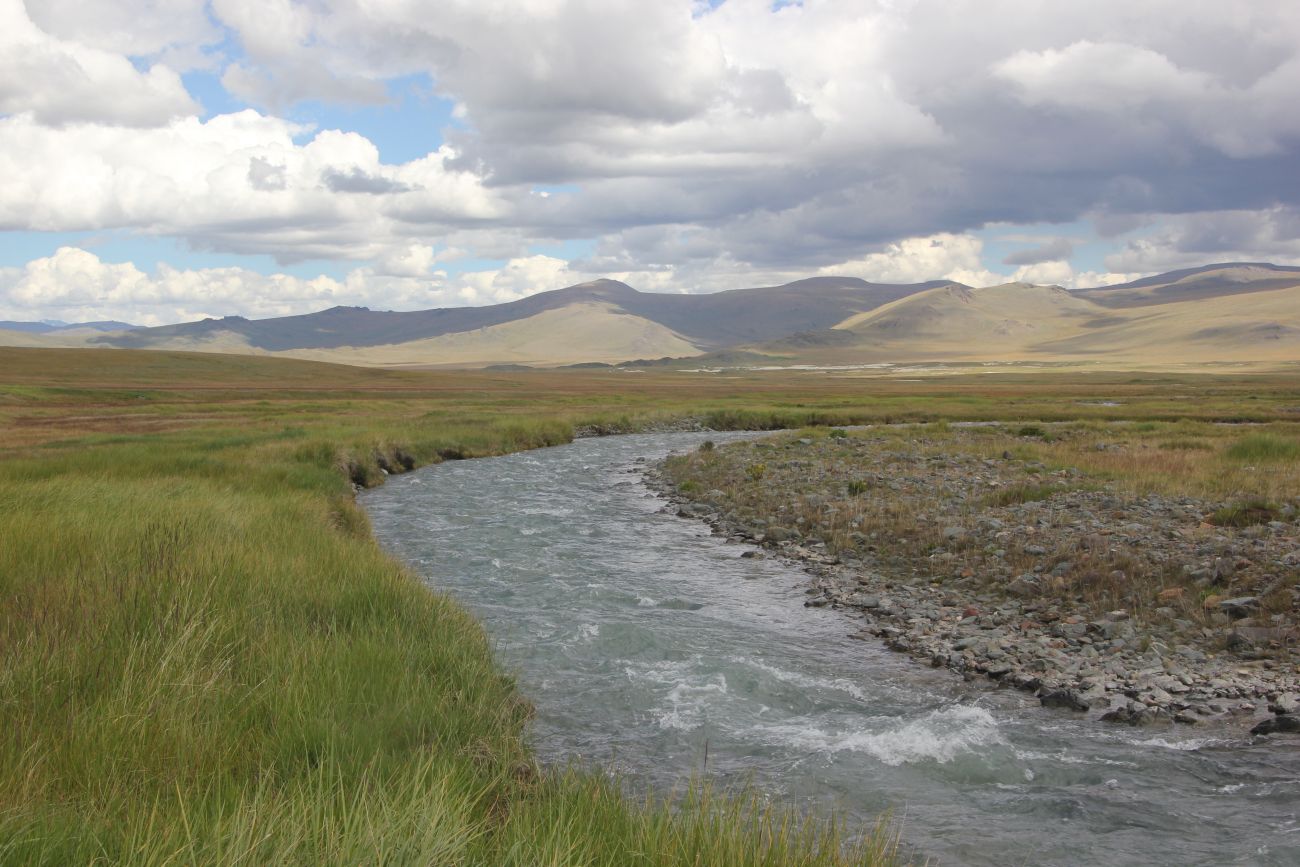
(174, 29)
(75, 285)
(1054, 273)
(703, 148)
(58, 81)
(916, 260)
(1110, 77)
(1141, 88)
(515, 279)
(238, 182)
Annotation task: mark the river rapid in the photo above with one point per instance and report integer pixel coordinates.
(651, 647)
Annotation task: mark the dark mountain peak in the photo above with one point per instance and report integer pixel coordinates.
(812, 284)
(604, 288)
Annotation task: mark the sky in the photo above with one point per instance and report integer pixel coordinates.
(167, 160)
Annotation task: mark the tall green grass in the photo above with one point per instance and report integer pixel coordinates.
(205, 659)
(1264, 448)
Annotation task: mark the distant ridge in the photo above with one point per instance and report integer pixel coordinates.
(51, 326)
(1230, 312)
(1208, 281)
(707, 321)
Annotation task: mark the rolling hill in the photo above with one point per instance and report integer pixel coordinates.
(654, 324)
(1231, 312)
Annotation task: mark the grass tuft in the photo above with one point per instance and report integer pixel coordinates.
(1264, 448)
(1245, 514)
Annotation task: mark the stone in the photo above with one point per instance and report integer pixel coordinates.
(1064, 698)
(1285, 703)
(1277, 724)
(1239, 607)
(779, 534)
(1025, 585)
(1132, 714)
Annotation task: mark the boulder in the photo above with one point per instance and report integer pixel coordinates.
(1064, 698)
(1277, 724)
(1239, 607)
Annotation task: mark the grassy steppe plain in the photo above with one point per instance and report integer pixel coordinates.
(204, 657)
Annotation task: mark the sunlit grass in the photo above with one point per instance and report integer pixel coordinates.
(206, 659)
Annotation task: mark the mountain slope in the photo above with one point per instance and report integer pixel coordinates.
(582, 332)
(1224, 312)
(1261, 326)
(54, 326)
(707, 321)
(1021, 322)
(1190, 284)
(957, 322)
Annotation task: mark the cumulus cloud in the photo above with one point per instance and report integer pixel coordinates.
(75, 285)
(916, 260)
(237, 182)
(58, 81)
(701, 147)
(80, 287)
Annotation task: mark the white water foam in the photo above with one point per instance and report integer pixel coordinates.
(683, 706)
(795, 678)
(1189, 745)
(1064, 757)
(939, 736)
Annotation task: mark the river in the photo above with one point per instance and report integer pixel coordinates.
(652, 647)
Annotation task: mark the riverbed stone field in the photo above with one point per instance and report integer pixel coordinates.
(1129, 606)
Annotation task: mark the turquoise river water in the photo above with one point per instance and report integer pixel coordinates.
(650, 647)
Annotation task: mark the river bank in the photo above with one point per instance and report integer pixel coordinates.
(649, 647)
(1128, 607)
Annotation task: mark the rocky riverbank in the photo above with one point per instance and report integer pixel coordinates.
(1135, 609)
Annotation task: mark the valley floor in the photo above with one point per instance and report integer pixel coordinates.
(205, 658)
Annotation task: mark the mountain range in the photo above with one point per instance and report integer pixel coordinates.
(1231, 312)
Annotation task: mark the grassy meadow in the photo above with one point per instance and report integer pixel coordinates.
(205, 658)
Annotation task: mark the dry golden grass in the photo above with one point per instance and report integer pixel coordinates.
(889, 494)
